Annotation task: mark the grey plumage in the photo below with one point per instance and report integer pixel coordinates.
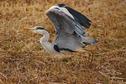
(69, 28)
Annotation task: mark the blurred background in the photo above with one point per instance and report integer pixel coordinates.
(23, 61)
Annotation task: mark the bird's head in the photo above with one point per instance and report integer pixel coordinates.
(39, 30)
(59, 10)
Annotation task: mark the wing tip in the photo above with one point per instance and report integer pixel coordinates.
(80, 18)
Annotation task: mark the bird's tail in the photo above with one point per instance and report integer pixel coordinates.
(88, 41)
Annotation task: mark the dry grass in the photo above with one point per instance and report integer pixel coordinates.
(23, 61)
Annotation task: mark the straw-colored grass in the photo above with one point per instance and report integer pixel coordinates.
(23, 61)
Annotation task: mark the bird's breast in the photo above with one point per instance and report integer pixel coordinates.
(48, 47)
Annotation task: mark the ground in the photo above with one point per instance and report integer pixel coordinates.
(23, 60)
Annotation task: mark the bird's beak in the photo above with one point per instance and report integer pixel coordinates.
(32, 29)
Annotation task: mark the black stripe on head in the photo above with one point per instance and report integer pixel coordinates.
(61, 5)
(80, 18)
(40, 28)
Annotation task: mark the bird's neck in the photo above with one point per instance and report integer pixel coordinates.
(46, 44)
(45, 37)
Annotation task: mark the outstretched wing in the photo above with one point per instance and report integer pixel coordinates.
(70, 26)
(81, 19)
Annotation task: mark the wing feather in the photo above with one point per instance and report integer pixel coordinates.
(83, 20)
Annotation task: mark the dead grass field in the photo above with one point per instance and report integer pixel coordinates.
(23, 61)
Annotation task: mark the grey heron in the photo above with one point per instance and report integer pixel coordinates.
(70, 26)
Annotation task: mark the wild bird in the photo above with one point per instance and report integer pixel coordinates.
(70, 26)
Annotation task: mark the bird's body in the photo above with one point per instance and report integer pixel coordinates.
(69, 25)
